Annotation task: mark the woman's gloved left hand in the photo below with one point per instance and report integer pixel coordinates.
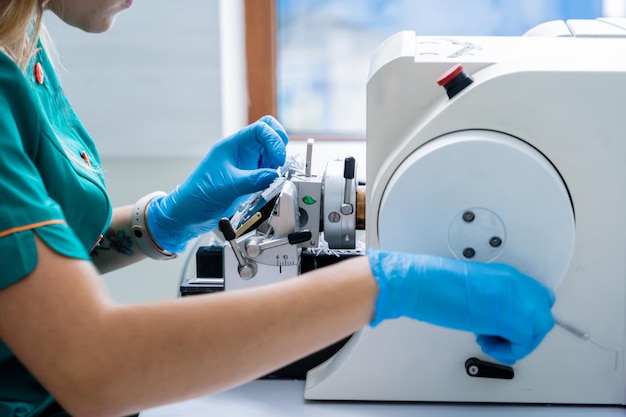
(508, 311)
(240, 164)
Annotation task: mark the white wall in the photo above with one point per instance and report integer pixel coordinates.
(150, 91)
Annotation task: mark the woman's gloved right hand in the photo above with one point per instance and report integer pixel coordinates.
(507, 310)
(240, 164)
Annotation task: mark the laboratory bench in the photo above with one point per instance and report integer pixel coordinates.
(284, 398)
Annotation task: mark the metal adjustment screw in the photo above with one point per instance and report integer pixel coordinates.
(469, 216)
(495, 241)
(473, 370)
(334, 217)
(469, 253)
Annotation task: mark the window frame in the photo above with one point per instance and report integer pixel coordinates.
(260, 24)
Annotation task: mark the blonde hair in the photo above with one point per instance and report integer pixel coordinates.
(20, 23)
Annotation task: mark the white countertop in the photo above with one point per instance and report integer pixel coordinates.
(273, 398)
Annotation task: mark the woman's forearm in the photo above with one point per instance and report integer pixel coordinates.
(237, 336)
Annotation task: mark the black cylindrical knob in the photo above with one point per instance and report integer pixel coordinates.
(299, 237)
(227, 229)
(349, 166)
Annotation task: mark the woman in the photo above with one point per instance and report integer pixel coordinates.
(66, 346)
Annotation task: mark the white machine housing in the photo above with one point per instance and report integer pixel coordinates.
(536, 148)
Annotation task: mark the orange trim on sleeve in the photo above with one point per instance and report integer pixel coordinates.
(30, 227)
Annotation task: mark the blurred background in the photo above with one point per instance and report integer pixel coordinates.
(324, 46)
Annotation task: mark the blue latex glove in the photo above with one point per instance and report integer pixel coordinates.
(509, 311)
(240, 164)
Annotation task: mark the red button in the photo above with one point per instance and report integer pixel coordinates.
(455, 80)
(450, 74)
(85, 157)
(39, 76)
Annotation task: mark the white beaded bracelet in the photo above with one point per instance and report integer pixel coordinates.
(140, 233)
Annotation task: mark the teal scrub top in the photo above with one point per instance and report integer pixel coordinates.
(51, 185)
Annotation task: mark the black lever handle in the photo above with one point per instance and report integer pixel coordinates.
(482, 369)
(349, 165)
(299, 237)
(227, 229)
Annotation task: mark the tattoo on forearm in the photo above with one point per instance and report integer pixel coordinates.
(118, 241)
